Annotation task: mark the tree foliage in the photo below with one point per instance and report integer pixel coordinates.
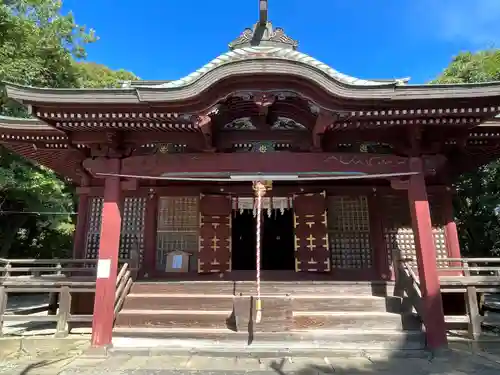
(92, 75)
(40, 46)
(478, 192)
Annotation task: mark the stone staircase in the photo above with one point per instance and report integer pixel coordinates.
(334, 315)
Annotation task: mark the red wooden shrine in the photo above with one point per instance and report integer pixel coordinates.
(392, 151)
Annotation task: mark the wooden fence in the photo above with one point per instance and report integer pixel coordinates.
(474, 278)
(62, 279)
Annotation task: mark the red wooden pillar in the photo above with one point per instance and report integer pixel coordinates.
(81, 227)
(432, 303)
(450, 229)
(102, 324)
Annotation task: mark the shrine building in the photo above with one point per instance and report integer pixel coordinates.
(355, 170)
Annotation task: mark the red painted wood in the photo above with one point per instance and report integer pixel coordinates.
(273, 162)
(312, 252)
(149, 262)
(214, 254)
(170, 188)
(451, 233)
(432, 303)
(81, 227)
(381, 261)
(102, 324)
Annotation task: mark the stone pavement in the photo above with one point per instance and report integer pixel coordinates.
(451, 363)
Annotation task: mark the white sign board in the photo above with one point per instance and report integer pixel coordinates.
(103, 268)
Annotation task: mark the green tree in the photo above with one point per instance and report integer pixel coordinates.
(40, 46)
(92, 75)
(478, 192)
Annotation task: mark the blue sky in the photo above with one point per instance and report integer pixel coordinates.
(167, 39)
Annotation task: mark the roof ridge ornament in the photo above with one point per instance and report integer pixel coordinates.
(263, 34)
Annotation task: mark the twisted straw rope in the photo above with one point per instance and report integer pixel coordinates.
(260, 190)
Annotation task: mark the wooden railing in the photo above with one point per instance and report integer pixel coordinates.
(407, 283)
(478, 276)
(472, 266)
(34, 276)
(124, 281)
(62, 279)
(472, 277)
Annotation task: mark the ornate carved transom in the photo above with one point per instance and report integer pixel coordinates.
(285, 123)
(243, 123)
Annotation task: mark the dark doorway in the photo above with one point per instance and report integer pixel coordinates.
(243, 240)
(277, 246)
(278, 241)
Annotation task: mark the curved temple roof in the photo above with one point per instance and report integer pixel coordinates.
(262, 50)
(266, 42)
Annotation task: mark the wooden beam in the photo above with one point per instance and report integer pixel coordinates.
(323, 121)
(263, 102)
(226, 139)
(273, 162)
(204, 123)
(140, 137)
(399, 184)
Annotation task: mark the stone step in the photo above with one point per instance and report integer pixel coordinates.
(273, 321)
(355, 320)
(173, 318)
(163, 301)
(225, 341)
(320, 288)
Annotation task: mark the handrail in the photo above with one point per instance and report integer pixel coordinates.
(471, 266)
(53, 267)
(408, 281)
(60, 278)
(477, 275)
(125, 279)
(64, 287)
(56, 260)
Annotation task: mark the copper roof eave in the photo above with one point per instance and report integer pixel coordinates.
(253, 67)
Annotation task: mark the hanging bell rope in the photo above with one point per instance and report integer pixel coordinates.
(260, 191)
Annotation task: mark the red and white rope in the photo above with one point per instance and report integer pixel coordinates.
(260, 190)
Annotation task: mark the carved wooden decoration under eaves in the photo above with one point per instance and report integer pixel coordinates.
(312, 252)
(214, 254)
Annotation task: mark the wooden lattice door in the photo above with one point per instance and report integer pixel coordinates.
(349, 229)
(215, 234)
(398, 231)
(311, 233)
